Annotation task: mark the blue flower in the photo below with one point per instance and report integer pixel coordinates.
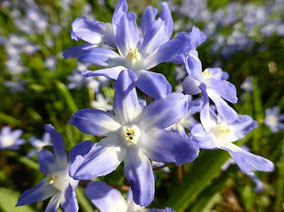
(108, 199)
(211, 83)
(135, 53)
(134, 134)
(273, 119)
(247, 85)
(221, 134)
(10, 139)
(57, 183)
(39, 144)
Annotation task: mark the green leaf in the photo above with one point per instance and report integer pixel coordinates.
(27, 161)
(9, 119)
(83, 201)
(68, 98)
(204, 169)
(8, 200)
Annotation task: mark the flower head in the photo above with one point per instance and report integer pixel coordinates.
(133, 134)
(134, 52)
(10, 139)
(273, 119)
(39, 144)
(108, 199)
(221, 134)
(57, 183)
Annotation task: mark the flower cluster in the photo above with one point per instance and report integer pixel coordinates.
(163, 130)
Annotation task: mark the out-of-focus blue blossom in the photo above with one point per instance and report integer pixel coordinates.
(188, 121)
(57, 184)
(39, 144)
(247, 85)
(248, 21)
(108, 199)
(157, 165)
(101, 103)
(10, 139)
(16, 85)
(135, 52)
(30, 48)
(180, 73)
(273, 119)
(218, 133)
(134, 134)
(75, 80)
(14, 66)
(50, 62)
(31, 19)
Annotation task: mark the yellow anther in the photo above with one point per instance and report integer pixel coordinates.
(50, 179)
(129, 134)
(133, 56)
(207, 74)
(225, 129)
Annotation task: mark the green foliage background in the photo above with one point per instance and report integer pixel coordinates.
(202, 185)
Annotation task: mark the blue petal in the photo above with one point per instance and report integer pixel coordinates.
(76, 51)
(205, 109)
(247, 161)
(167, 146)
(89, 31)
(148, 17)
(227, 113)
(139, 173)
(54, 203)
(125, 102)
(70, 203)
(160, 210)
(100, 57)
(105, 198)
(166, 51)
(32, 153)
(168, 20)
(94, 122)
(190, 86)
(164, 112)
(110, 73)
(195, 39)
(41, 191)
(217, 73)
(58, 143)
(103, 158)
(154, 38)
(154, 84)
(204, 139)
(120, 9)
(242, 126)
(158, 31)
(127, 36)
(193, 66)
(80, 149)
(223, 88)
(47, 162)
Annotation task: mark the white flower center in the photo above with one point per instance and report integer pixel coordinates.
(272, 120)
(130, 135)
(207, 74)
(222, 134)
(134, 59)
(7, 141)
(59, 180)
